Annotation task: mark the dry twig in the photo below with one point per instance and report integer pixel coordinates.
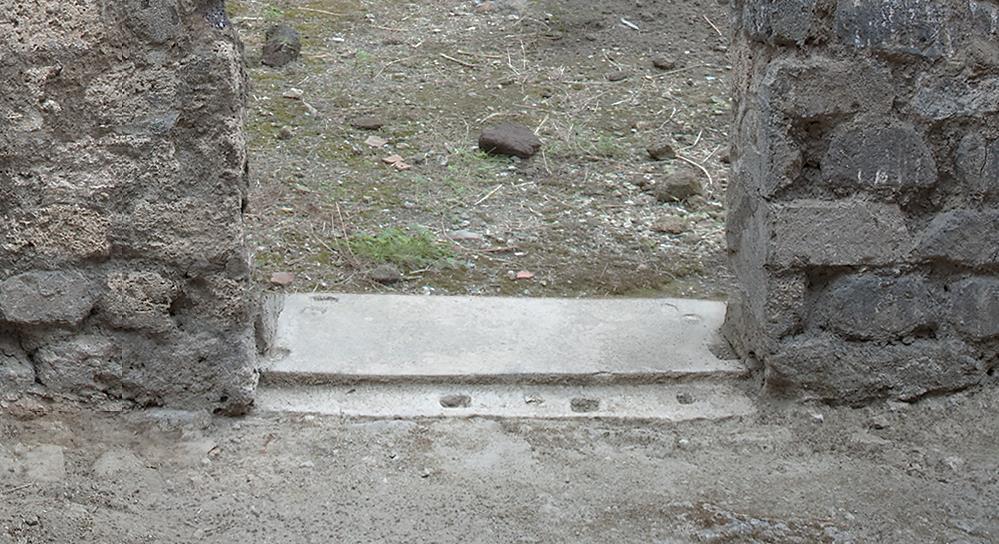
(720, 35)
(459, 61)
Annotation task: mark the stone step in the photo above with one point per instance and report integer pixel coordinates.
(391, 339)
(664, 403)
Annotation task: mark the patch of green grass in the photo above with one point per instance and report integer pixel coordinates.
(413, 248)
(475, 162)
(272, 13)
(607, 147)
(467, 167)
(363, 57)
(236, 9)
(586, 143)
(268, 259)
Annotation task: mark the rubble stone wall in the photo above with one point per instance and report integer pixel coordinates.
(863, 224)
(864, 207)
(124, 277)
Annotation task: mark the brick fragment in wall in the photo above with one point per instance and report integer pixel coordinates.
(856, 372)
(878, 154)
(47, 298)
(974, 306)
(876, 307)
(963, 237)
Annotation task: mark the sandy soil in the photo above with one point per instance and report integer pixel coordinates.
(580, 216)
(920, 473)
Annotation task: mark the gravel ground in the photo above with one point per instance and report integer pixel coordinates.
(582, 217)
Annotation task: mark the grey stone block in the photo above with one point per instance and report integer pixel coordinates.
(857, 372)
(978, 164)
(879, 156)
(139, 301)
(777, 302)
(155, 20)
(769, 159)
(910, 27)
(966, 237)
(821, 87)
(872, 307)
(84, 364)
(793, 96)
(947, 97)
(974, 309)
(40, 298)
(779, 21)
(16, 370)
(847, 233)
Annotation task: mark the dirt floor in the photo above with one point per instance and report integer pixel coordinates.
(922, 473)
(582, 217)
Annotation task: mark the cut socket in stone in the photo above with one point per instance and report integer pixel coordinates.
(534, 400)
(456, 401)
(685, 398)
(583, 405)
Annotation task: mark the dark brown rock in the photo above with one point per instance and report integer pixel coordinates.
(664, 63)
(509, 139)
(386, 274)
(679, 186)
(661, 152)
(367, 122)
(670, 225)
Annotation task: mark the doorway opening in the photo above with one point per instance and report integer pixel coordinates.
(366, 174)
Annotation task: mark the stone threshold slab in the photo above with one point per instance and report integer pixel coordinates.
(343, 339)
(665, 403)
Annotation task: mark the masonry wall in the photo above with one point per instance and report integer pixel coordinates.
(864, 209)
(123, 271)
